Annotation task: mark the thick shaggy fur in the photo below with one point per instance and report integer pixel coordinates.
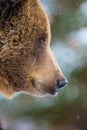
(26, 60)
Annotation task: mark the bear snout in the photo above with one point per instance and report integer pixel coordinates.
(50, 89)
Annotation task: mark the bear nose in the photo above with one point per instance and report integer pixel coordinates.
(60, 84)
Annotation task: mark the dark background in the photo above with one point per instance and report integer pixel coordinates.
(67, 110)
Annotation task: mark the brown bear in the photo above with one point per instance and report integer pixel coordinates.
(26, 61)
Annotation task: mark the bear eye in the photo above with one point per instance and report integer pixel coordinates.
(42, 41)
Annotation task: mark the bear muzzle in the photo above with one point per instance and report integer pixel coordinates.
(51, 90)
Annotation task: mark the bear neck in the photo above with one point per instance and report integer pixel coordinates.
(5, 87)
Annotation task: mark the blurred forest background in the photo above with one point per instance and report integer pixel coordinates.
(67, 110)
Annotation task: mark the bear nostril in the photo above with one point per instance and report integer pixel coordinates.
(60, 84)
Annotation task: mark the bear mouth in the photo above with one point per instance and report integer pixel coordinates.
(43, 90)
(42, 93)
(37, 87)
(36, 92)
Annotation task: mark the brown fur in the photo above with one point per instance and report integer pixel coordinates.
(26, 61)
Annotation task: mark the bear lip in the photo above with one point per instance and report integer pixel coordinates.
(38, 87)
(43, 91)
